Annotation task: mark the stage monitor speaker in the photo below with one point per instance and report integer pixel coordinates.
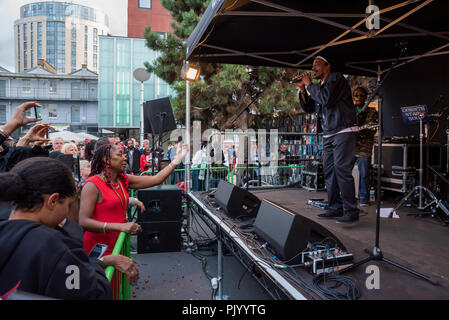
(159, 237)
(152, 111)
(162, 203)
(288, 233)
(236, 202)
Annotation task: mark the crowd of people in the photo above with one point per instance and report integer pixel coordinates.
(50, 221)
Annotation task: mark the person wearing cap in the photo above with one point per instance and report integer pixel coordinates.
(331, 98)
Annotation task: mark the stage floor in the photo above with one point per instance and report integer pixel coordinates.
(420, 243)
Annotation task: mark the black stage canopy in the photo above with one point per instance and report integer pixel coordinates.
(290, 33)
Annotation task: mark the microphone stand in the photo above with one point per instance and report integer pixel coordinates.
(376, 253)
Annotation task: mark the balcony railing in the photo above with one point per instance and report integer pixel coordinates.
(29, 93)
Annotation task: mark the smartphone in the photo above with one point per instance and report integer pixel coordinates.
(37, 112)
(98, 251)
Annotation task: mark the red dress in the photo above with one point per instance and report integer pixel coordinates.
(110, 210)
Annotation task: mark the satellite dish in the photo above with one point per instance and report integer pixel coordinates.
(141, 74)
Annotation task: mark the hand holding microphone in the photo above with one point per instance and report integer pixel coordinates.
(296, 79)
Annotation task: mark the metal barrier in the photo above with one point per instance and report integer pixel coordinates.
(204, 179)
(261, 176)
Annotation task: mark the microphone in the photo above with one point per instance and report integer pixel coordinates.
(296, 80)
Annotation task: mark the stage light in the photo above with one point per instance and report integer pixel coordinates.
(190, 72)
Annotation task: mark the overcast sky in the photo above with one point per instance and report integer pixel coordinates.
(10, 11)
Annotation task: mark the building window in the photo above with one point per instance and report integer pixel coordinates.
(145, 4)
(25, 32)
(52, 85)
(39, 49)
(86, 39)
(76, 114)
(2, 88)
(26, 86)
(2, 113)
(39, 30)
(52, 110)
(25, 60)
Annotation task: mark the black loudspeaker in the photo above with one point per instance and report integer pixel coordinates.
(162, 203)
(162, 220)
(153, 111)
(236, 202)
(159, 237)
(287, 232)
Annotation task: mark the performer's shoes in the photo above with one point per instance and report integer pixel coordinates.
(330, 214)
(364, 204)
(349, 219)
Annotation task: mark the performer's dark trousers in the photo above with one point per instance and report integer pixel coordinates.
(338, 162)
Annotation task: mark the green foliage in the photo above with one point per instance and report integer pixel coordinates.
(223, 91)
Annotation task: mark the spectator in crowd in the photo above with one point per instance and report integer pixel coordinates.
(133, 158)
(90, 150)
(199, 161)
(35, 255)
(58, 143)
(10, 156)
(284, 173)
(105, 199)
(104, 141)
(69, 148)
(84, 171)
(145, 145)
(146, 163)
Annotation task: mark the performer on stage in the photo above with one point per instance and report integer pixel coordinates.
(365, 141)
(332, 99)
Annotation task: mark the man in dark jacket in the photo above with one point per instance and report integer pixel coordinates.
(332, 99)
(133, 159)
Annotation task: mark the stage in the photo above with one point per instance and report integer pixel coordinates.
(416, 242)
(420, 243)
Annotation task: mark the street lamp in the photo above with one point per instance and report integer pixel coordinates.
(190, 73)
(141, 75)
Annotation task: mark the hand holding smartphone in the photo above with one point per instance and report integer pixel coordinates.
(98, 251)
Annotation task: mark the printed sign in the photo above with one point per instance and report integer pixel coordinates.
(413, 114)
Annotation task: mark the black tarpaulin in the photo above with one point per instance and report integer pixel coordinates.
(290, 33)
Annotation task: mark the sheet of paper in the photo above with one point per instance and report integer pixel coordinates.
(385, 213)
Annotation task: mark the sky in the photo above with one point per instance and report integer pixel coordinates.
(10, 11)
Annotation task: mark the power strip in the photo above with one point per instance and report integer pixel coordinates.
(326, 260)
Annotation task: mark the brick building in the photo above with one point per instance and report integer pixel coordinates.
(142, 13)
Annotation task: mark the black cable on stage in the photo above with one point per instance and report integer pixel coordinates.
(352, 292)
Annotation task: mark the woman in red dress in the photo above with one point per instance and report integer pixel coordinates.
(104, 198)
